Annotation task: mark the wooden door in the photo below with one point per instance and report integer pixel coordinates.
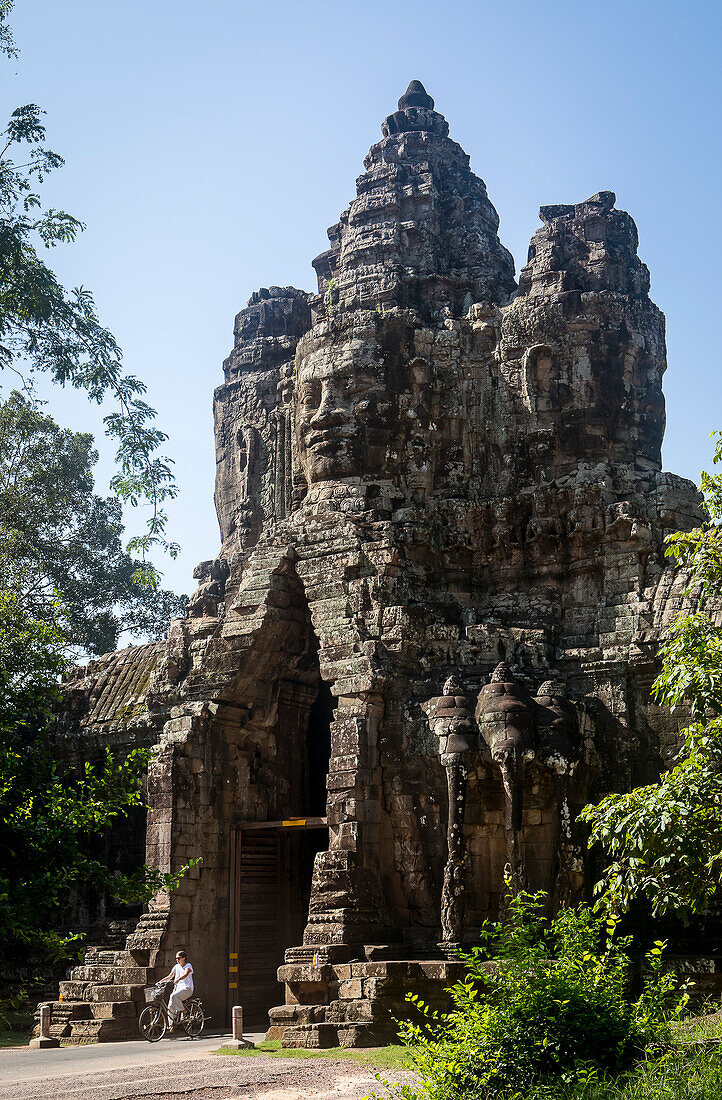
(258, 931)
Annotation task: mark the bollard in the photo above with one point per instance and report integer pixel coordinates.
(44, 1039)
(238, 1040)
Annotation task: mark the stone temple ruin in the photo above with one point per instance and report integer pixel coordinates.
(429, 635)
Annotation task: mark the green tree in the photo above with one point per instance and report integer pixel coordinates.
(50, 815)
(60, 545)
(65, 583)
(664, 840)
(45, 328)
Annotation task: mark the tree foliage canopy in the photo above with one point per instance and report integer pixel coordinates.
(65, 581)
(46, 328)
(664, 840)
(50, 814)
(60, 543)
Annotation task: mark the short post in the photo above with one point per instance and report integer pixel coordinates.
(238, 1040)
(44, 1039)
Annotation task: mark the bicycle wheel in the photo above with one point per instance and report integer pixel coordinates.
(152, 1023)
(194, 1019)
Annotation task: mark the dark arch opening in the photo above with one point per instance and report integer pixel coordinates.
(318, 749)
(274, 859)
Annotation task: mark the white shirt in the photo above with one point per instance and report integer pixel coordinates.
(182, 983)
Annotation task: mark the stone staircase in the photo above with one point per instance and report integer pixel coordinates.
(102, 998)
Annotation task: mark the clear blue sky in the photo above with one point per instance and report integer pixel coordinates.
(209, 143)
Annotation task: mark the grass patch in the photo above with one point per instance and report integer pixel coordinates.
(680, 1075)
(390, 1057)
(14, 1038)
(700, 1029)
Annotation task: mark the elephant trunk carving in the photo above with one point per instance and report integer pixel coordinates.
(521, 733)
(452, 722)
(506, 723)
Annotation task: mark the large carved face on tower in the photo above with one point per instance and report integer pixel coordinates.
(344, 412)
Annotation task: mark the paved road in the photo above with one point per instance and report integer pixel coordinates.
(24, 1064)
(174, 1069)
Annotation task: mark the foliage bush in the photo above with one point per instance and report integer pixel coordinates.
(556, 999)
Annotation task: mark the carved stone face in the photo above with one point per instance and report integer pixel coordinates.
(344, 411)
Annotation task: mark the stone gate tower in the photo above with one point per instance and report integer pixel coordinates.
(442, 515)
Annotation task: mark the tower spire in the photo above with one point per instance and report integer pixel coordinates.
(421, 233)
(415, 112)
(416, 96)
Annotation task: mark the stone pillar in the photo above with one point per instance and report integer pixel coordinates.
(452, 895)
(190, 813)
(347, 904)
(44, 1039)
(451, 720)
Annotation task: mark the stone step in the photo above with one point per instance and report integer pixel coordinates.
(101, 1031)
(363, 1011)
(115, 975)
(284, 1017)
(143, 975)
(310, 1036)
(87, 991)
(102, 956)
(55, 1030)
(115, 1010)
(366, 1035)
(69, 1010)
(95, 973)
(76, 1022)
(322, 1036)
(97, 956)
(306, 973)
(148, 933)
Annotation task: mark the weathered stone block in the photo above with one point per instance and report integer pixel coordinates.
(350, 990)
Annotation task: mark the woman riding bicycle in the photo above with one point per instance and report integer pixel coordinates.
(182, 977)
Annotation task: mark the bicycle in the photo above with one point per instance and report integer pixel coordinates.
(154, 1020)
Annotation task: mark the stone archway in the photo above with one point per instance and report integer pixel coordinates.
(272, 863)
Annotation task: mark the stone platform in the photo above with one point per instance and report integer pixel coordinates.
(356, 1004)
